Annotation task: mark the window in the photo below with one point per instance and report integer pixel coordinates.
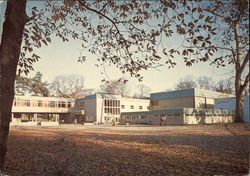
(61, 104)
(123, 106)
(148, 107)
(26, 102)
(140, 107)
(52, 104)
(69, 104)
(112, 107)
(40, 103)
(132, 107)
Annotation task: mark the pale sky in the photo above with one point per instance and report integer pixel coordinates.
(61, 58)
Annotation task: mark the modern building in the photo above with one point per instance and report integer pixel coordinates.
(33, 110)
(188, 106)
(102, 108)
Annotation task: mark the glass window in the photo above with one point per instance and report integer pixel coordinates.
(140, 107)
(62, 104)
(132, 107)
(52, 104)
(27, 103)
(40, 103)
(123, 106)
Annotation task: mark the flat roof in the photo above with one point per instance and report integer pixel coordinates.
(100, 95)
(193, 92)
(42, 98)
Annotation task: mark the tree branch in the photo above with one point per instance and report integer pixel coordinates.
(245, 61)
(199, 47)
(99, 12)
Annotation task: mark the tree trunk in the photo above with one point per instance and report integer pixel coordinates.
(15, 19)
(239, 99)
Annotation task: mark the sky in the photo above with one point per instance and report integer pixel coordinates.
(61, 58)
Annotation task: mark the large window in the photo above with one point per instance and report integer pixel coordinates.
(112, 107)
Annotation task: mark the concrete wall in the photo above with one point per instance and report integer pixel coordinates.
(23, 123)
(49, 123)
(127, 102)
(208, 119)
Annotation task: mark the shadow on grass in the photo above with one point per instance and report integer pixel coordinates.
(114, 154)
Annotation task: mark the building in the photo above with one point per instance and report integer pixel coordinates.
(102, 108)
(188, 106)
(33, 110)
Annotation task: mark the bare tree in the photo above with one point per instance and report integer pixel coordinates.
(186, 83)
(144, 91)
(69, 86)
(116, 87)
(225, 86)
(204, 82)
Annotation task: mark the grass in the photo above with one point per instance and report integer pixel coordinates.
(217, 149)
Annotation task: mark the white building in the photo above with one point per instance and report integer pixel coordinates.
(102, 108)
(31, 110)
(188, 106)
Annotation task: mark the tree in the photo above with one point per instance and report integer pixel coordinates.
(22, 86)
(224, 86)
(38, 87)
(144, 91)
(69, 86)
(121, 35)
(34, 86)
(186, 83)
(116, 87)
(216, 32)
(204, 82)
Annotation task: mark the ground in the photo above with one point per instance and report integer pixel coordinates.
(221, 149)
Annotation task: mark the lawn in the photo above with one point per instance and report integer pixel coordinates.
(129, 150)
